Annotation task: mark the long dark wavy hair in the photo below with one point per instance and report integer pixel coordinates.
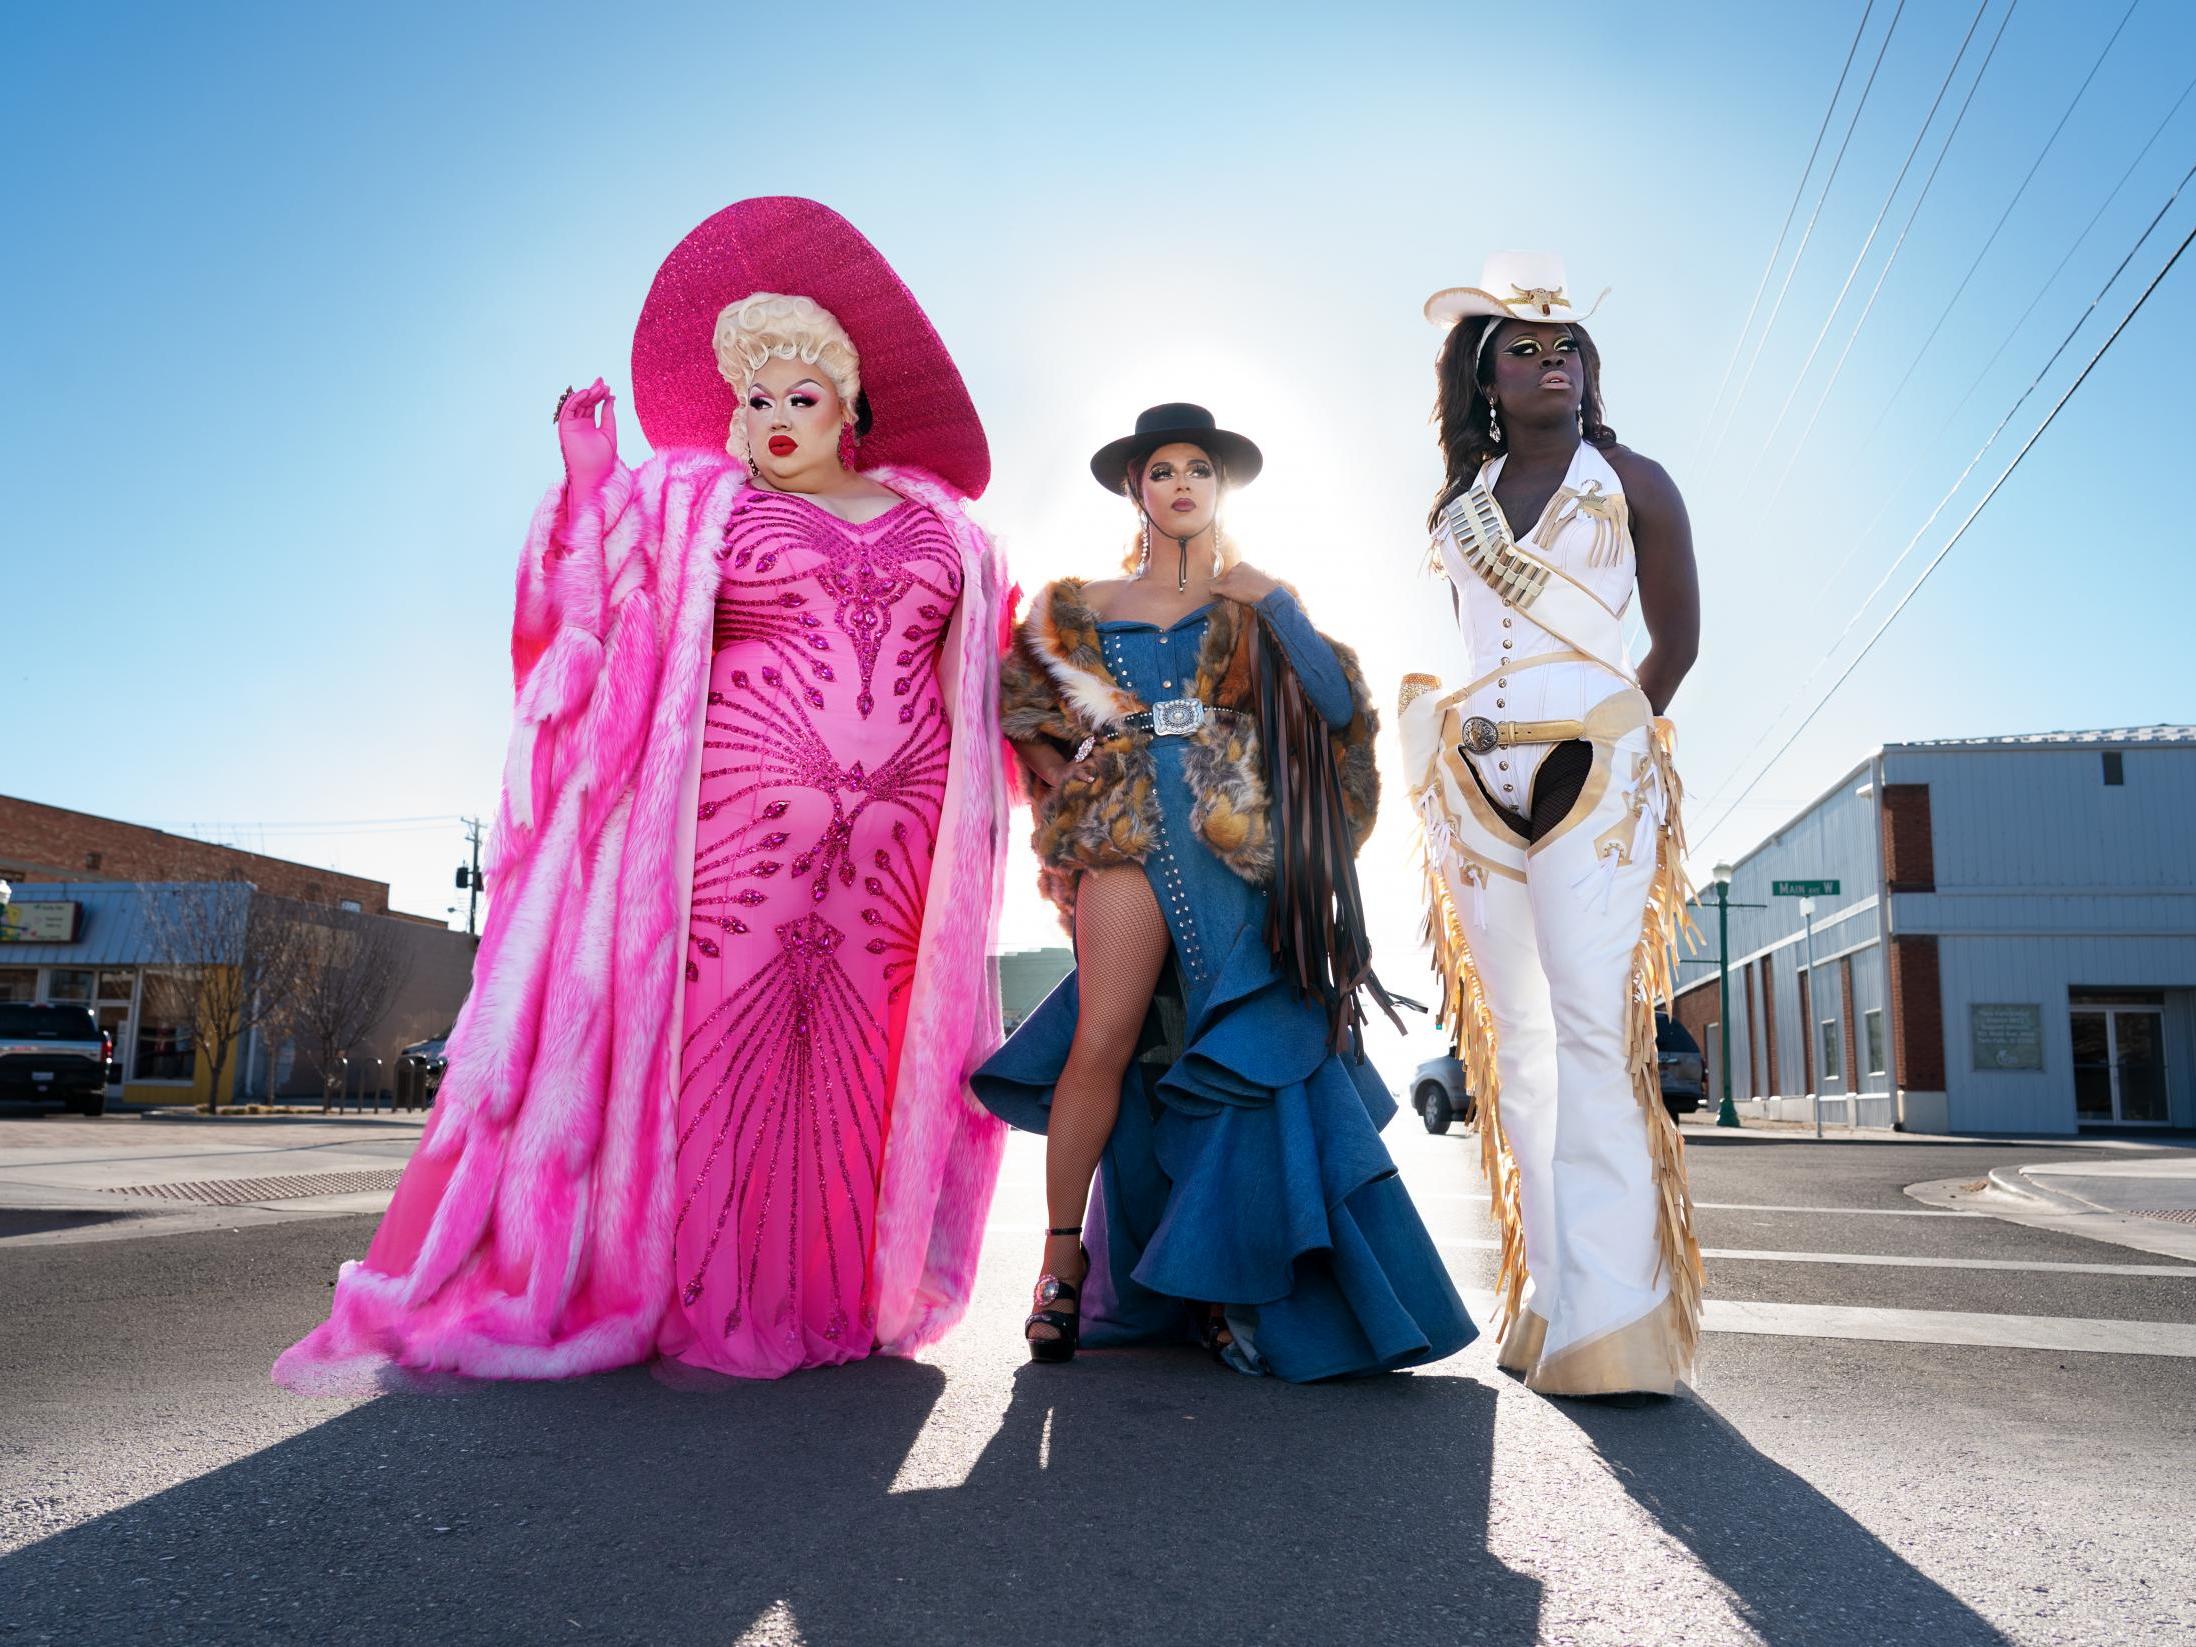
(1462, 373)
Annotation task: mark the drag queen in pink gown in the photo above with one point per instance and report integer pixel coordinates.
(709, 1097)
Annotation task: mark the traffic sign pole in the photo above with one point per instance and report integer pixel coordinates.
(1807, 1029)
(1727, 1114)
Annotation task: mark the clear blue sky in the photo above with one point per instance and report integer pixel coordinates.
(290, 292)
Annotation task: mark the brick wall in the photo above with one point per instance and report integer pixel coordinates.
(1917, 1015)
(1699, 1008)
(51, 843)
(1909, 851)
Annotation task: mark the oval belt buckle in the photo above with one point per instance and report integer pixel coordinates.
(1481, 736)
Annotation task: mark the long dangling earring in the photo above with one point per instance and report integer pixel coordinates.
(1494, 421)
(850, 445)
(1143, 561)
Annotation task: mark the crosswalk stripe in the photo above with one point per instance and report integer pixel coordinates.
(1958, 1328)
(1903, 1261)
(2012, 1332)
(1479, 1197)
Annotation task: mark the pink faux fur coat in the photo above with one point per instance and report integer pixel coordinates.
(531, 1234)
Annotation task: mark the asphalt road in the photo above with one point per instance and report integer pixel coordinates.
(154, 1487)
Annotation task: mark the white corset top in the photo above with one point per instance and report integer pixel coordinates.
(1517, 670)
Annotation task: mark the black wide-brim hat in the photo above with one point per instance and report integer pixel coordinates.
(1237, 455)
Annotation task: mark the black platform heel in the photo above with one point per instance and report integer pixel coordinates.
(1052, 1290)
(1214, 1335)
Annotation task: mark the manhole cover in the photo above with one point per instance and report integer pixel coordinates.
(2172, 1215)
(238, 1192)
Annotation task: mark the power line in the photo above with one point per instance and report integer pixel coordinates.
(1891, 262)
(1813, 217)
(2004, 216)
(1861, 611)
(306, 823)
(1960, 532)
(1798, 192)
(1922, 449)
(203, 829)
(1860, 257)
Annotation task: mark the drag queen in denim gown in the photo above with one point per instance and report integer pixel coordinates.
(1243, 1194)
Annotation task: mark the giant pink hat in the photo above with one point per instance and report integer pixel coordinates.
(781, 243)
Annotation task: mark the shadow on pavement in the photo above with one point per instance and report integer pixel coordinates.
(1134, 1496)
(1798, 1568)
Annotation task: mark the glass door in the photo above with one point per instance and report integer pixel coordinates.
(2138, 1065)
(2092, 1068)
(2119, 1065)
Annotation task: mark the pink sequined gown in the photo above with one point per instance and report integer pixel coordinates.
(823, 775)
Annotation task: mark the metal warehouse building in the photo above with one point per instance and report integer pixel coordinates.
(2011, 949)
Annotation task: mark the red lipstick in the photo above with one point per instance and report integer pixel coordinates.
(783, 445)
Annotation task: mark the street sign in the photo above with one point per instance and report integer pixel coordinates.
(1804, 889)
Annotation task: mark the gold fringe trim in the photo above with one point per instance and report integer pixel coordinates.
(1469, 1020)
(1654, 982)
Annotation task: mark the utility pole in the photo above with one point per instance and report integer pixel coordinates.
(469, 879)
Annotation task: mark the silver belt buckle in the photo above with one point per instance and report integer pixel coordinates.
(1176, 717)
(1481, 735)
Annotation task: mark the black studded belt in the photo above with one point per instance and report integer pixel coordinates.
(1175, 717)
(1170, 718)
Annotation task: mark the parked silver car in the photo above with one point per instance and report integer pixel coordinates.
(1677, 1056)
(1438, 1094)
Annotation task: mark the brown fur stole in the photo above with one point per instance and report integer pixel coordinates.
(1055, 685)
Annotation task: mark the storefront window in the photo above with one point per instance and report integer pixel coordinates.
(116, 986)
(1833, 1051)
(1872, 1027)
(164, 1049)
(69, 984)
(18, 983)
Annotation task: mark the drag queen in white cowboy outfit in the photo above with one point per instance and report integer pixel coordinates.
(1542, 775)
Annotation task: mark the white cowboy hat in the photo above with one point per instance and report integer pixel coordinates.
(1532, 285)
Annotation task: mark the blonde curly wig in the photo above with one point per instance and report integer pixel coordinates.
(771, 325)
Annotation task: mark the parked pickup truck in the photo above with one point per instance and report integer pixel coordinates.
(55, 1051)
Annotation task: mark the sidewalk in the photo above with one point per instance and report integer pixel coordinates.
(2164, 1189)
(2149, 1205)
(96, 1179)
(1702, 1124)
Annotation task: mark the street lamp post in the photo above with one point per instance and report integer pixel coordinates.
(1727, 1114)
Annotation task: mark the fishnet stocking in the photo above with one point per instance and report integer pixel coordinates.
(1556, 789)
(1121, 945)
(1558, 785)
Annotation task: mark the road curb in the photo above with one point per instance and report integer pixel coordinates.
(410, 1118)
(2023, 1202)
(2015, 1182)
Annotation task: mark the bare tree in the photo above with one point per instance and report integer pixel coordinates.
(351, 969)
(233, 958)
